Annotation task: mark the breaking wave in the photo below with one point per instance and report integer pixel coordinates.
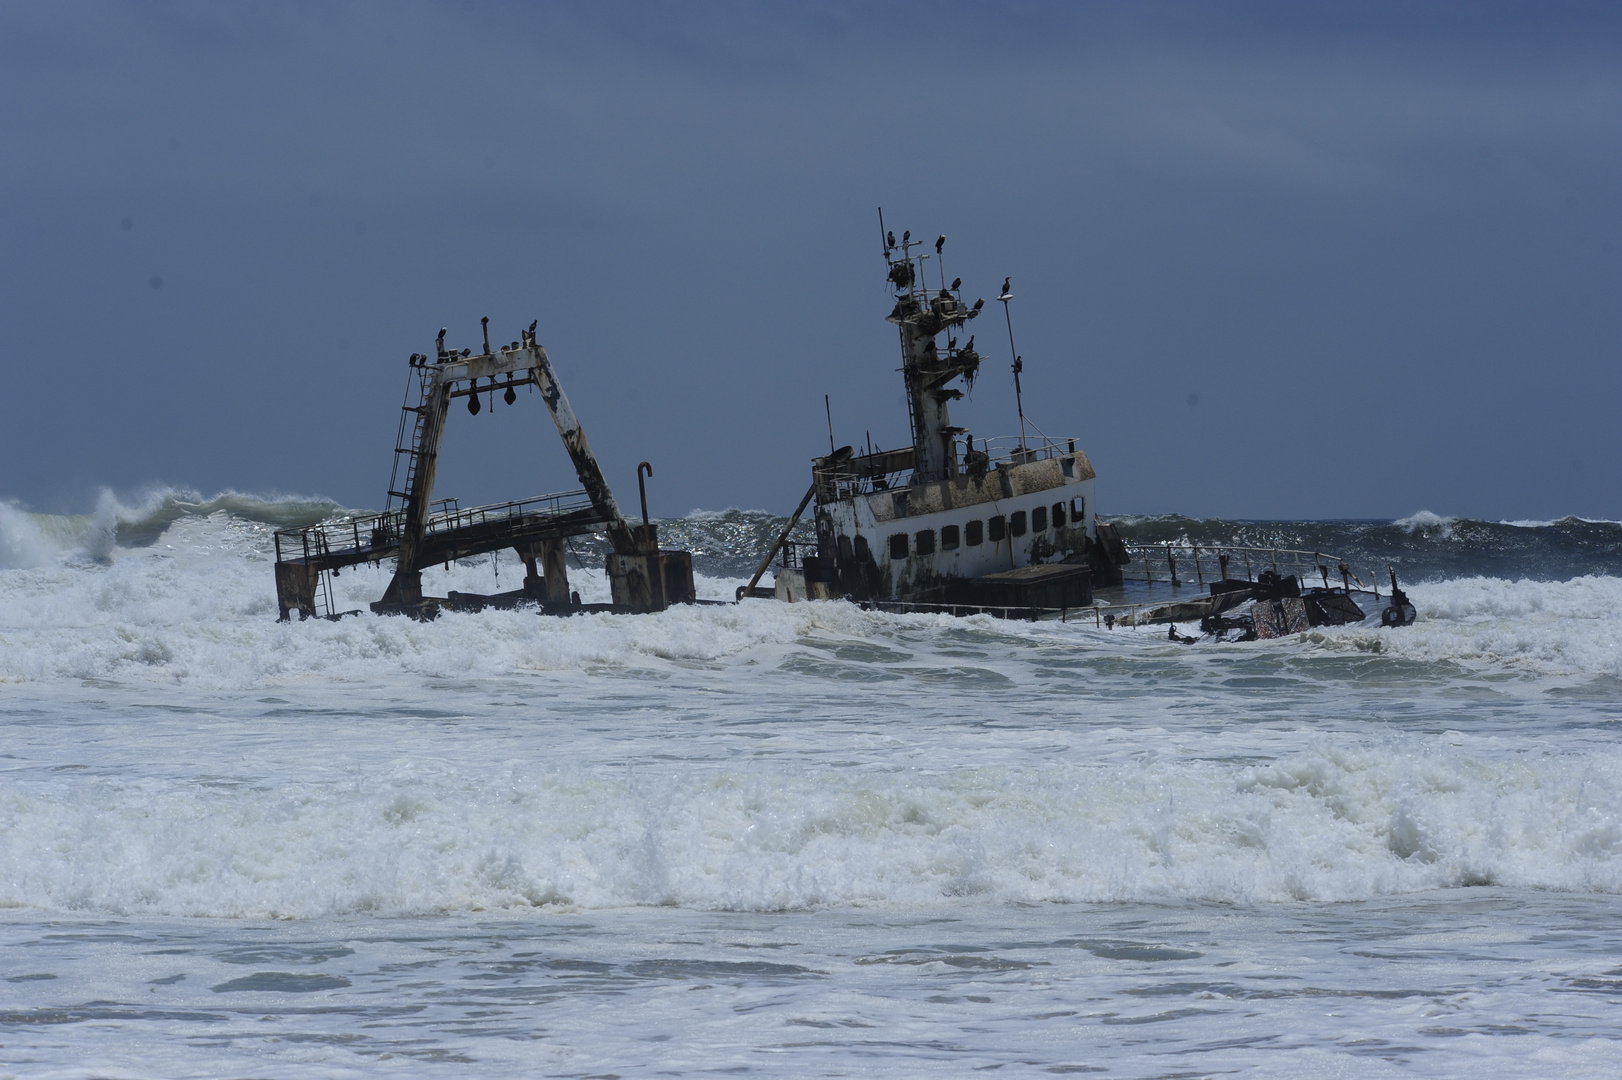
(144, 522)
(1237, 773)
(1422, 546)
(1425, 521)
(29, 539)
(1339, 821)
(1514, 627)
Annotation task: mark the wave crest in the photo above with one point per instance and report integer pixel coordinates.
(1338, 822)
(1425, 521)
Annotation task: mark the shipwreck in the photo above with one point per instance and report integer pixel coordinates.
(1004, 526)
(1009, 526)
(418, 532)
(949, 523)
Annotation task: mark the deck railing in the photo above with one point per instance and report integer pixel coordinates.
(1187, 563)
(866, 474)
(381, 532)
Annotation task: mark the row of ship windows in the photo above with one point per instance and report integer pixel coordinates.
(974, 533)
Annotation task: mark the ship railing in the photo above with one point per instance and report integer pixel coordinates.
(1012, 450)
(556, 504)
(855, 476)
(844, 487)
(381, 532)
(1102, 615)
(1187, 563)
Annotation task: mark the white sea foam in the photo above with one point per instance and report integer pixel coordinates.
(1336, 822)
(1531, 627)
(198, 609)
(1123, 813)
(876, 842)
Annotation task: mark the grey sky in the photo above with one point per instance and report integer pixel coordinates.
(1269, 260)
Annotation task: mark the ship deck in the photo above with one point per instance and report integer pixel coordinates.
(452, 532)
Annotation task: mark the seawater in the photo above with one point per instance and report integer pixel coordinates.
(800, 839)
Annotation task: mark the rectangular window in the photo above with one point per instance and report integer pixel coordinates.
(948, 537)
(1058, 515)
(998, 527)
(1039, 519)
(898, 546)
(974, 533)
(1016, 523)
(1069, 466)
(925, 540)
(846, 553)
(1078, 510)
(863, 552)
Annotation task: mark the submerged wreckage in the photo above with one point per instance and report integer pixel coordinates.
(418, 532)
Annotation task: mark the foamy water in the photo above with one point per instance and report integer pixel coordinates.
(795, 838)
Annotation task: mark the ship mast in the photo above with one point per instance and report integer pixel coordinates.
(922, 314)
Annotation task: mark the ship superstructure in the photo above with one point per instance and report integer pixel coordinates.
(951, 520)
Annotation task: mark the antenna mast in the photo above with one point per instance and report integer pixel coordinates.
(1019, 397)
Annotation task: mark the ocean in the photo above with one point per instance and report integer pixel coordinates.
(800, 840)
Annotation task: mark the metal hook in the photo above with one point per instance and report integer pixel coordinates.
(642, 488)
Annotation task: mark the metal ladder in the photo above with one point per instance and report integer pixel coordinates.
(416, 417)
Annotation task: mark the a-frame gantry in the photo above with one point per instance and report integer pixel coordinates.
(641, 577)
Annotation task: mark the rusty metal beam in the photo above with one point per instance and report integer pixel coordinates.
(760, 571)
(469, 391)
(585, 462)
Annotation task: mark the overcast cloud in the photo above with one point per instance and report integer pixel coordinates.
(1269, 260)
